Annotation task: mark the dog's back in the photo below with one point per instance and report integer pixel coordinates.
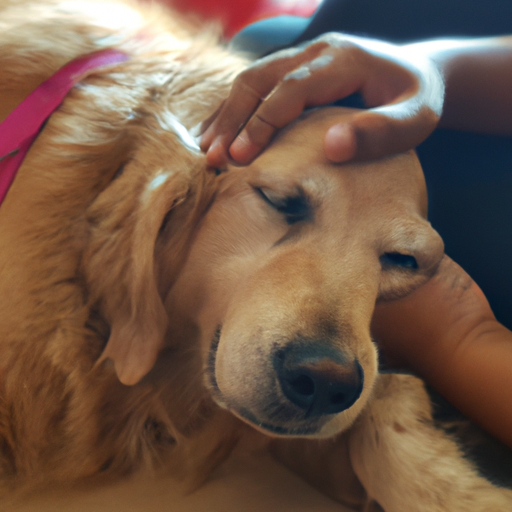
(81, 199)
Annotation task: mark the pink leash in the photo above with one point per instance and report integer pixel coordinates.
(22, 125)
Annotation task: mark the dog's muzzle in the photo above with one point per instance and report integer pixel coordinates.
(318, 379)
(309, 382)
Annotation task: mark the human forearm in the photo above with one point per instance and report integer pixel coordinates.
(446, 333)
(478, 77)
(477, 379)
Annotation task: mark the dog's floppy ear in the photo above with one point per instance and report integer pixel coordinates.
(125, 222)
(136, 314)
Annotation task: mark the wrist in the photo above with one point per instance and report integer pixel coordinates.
(452, 358)
(425, 330)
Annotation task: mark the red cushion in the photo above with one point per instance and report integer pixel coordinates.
(235, 15)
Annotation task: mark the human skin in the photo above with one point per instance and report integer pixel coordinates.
(445, 331)
(402, 85)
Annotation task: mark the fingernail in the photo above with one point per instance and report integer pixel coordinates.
(215, 156)
(340, 143)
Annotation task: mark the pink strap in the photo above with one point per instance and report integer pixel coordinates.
(21, 127)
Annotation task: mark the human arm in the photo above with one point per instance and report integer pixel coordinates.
(401, 84)
(446, 333)
(478, 79)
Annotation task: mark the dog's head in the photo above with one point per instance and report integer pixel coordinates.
(284, 273)
(271, 271)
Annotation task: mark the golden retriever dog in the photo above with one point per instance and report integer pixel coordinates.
(155, 312)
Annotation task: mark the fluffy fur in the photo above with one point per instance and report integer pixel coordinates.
(150, 304)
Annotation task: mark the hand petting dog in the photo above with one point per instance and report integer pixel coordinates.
(403, 88)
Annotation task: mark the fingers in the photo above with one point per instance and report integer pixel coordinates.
(298, 90)
(340, 142)
(249, 89)
(320, 78)
(373, 134)
(406, 98)
(253, 138)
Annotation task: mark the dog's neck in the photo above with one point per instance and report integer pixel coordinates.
(19, 130)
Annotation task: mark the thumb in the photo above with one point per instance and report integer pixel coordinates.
(340, 143)
(375, 133)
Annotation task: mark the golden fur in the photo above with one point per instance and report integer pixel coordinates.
(147, 300)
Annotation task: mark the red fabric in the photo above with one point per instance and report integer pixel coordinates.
(235, 15)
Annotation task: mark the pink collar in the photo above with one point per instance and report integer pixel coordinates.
(22, 126)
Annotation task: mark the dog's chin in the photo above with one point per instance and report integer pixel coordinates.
(282, 422)
(310, 429)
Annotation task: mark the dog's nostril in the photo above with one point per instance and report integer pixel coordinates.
(317, 379)
(303, 385)
(338, 398)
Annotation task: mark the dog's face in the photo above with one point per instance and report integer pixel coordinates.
(284, 272)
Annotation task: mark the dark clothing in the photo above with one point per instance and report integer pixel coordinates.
(411, 20)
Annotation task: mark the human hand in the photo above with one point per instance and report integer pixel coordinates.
(402, 87)
(424, 330)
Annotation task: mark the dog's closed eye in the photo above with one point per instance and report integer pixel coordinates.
(294, 208)
(397, 260)
(119, 171)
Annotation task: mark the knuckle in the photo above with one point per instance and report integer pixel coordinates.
(252, 84)
(290, 102)
(330, 38)
(259, 131)
(296, 76)
(244, 79)
(338, 41)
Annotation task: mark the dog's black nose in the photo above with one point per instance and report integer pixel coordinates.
(317, 378)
